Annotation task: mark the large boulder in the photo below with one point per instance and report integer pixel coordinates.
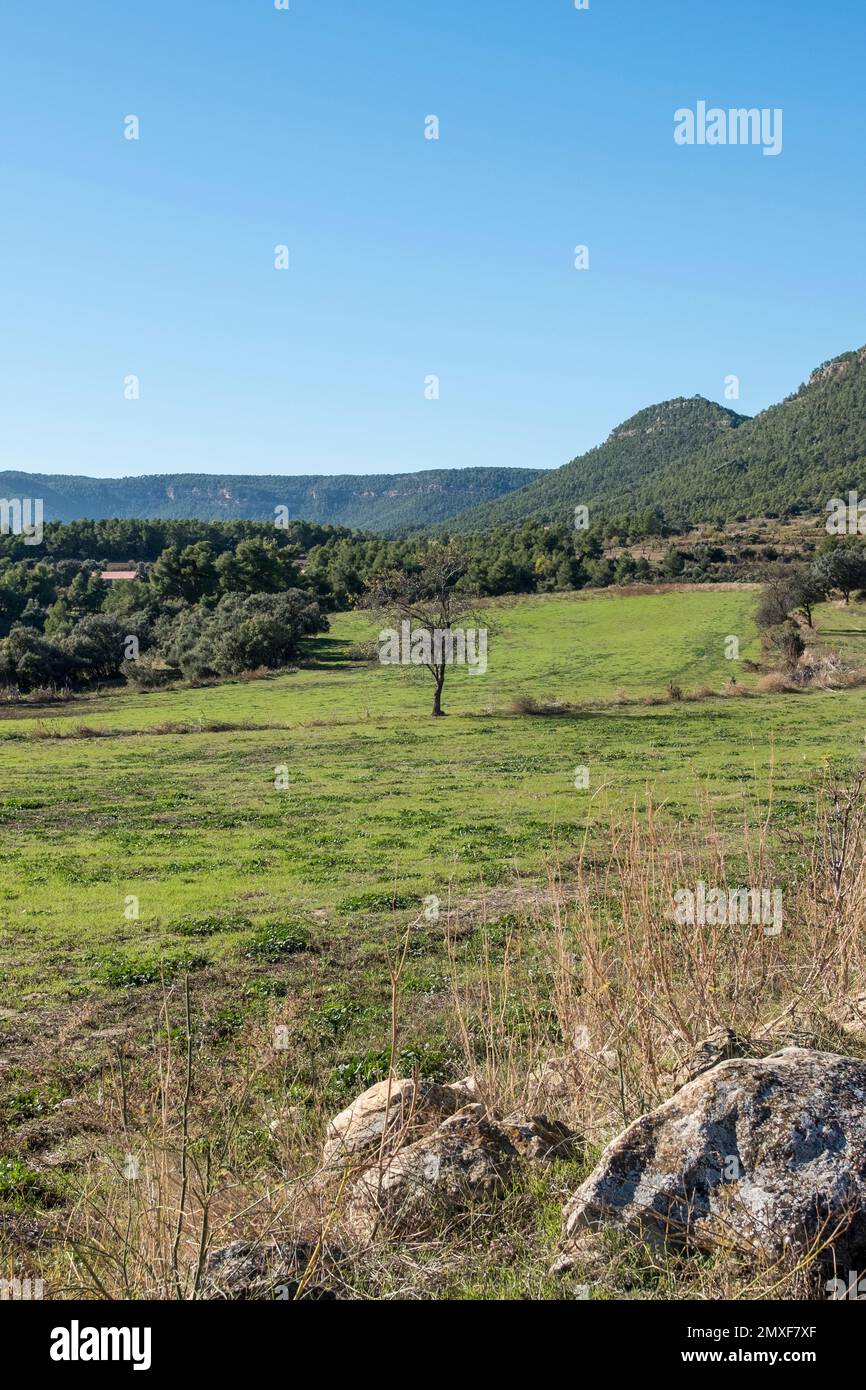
(383, 1117)
(762, 1154)
(470, 1156)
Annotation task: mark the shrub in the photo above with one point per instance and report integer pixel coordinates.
(131, 972)
(95, 646)
(773, 683)
(788, 642)
(242, 633)
(150, 672)
(273, 940)
(524, 704)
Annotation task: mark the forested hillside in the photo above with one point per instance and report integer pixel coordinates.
(384, 502)
(695, 461)
(659, 437)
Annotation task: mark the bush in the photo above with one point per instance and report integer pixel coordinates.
(96, 646)
(243, 632)
(150, 672)
(773, 683)
(788, 642)
(28, 660)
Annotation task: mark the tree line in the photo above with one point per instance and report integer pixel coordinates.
(212, 599)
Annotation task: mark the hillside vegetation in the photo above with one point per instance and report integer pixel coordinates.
(380, 502)
(695, 461)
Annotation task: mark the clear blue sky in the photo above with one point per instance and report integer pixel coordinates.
(409, 256)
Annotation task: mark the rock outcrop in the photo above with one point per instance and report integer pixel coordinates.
(767, 1155)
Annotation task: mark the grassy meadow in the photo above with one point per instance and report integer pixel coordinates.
(282, 904)
(380, 804)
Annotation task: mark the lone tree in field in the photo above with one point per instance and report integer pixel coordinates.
(430, 606)
(796, 589)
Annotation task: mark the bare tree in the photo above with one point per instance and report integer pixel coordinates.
(430, 608)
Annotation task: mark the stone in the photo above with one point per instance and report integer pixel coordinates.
(271, 1270)
(355, 1135)
(552, 1081)
(759, 1154)
(720, 1046)
(470, 1156)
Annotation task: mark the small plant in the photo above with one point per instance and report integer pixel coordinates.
(226, 1023)
(265, 989)
(18, 1183)
(209, 926)
(334, 1019)
(23, 1105)
(376, 902)
(131, 972)
(357, 1073)
(274, 940)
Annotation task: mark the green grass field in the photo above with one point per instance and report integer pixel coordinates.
(167, 893)
(383, 805)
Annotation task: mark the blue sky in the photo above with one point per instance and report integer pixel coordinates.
(411, 257)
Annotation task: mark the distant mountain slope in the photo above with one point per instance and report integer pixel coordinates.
(379, 502)
(657, 438)
(697, 461)
(793, 457)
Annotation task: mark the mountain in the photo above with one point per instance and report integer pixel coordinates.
(793, 457)
(608, 478)
(690, 458)
(697, 461)
(380, 502)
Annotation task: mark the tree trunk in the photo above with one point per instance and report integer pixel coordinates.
(438, 711)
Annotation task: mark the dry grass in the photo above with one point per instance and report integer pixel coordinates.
(600, 976)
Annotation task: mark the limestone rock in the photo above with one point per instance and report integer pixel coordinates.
(762, 1154)
(469, 1156)
(395, 1108)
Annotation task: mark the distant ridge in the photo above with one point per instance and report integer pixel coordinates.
(689, 458)
(697, 461)
(613, 476)
(390, 503)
